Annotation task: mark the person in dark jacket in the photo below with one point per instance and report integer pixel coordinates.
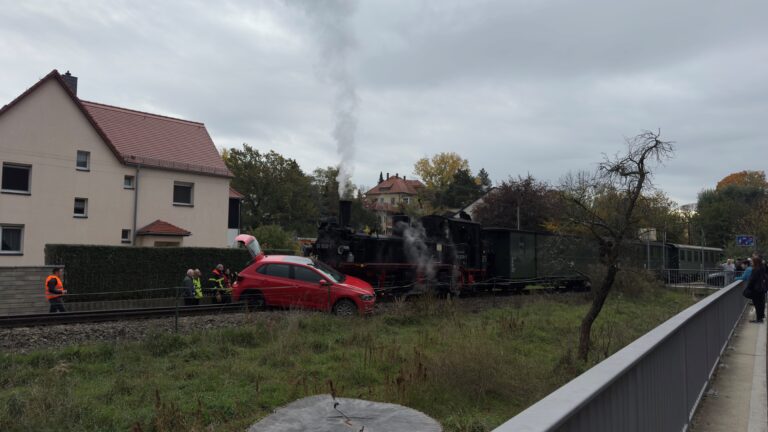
(755, 288)
(216, 283)
(54, 290)
(188, 290)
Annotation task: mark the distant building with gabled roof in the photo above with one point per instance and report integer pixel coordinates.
(80, 172)
(388, 197)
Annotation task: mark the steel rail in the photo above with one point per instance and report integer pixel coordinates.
(34, 320)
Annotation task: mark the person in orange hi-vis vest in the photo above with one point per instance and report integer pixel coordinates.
(54, 290)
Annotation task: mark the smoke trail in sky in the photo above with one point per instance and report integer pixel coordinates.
(335, 38)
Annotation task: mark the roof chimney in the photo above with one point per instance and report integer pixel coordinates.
(71, 82)
(387, 176)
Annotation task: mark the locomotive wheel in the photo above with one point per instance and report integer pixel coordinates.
(345, 308)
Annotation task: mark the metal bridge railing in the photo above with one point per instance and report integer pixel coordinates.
(653, 384)
(707, 278)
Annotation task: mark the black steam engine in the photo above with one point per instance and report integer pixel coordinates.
(436, 253)
(448, 255)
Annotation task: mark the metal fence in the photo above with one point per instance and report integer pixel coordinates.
(653, 384)
(708, 278)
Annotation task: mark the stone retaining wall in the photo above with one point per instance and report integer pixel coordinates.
(21, 290)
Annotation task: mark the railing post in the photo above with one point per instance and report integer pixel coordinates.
(176, 317)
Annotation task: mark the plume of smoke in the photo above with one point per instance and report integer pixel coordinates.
(417, 251)
(330, 20)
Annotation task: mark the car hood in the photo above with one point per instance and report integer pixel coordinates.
(357, 285)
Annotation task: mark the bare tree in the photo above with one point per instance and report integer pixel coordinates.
(602, 206)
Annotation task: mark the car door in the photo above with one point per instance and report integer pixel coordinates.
(276, 284)
(311, 293)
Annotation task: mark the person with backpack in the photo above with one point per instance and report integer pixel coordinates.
(757, 285)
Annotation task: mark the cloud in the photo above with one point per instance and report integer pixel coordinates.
(516, 87)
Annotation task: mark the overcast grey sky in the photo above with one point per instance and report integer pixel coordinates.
(516, 87)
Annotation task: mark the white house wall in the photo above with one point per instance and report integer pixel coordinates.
(206, 219)
(45, 130)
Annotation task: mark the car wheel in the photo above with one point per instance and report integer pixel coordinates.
(254, 300)
(345, 307)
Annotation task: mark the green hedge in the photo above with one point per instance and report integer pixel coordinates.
(102, 269)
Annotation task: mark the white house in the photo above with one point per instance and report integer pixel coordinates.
(79, 172)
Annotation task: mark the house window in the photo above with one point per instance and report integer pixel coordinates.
(11, 239)
(182, 193)
(407, 200)
(129, 182)
(16, 178)
(83, 160)
(392, 200)
(125, 236)
(81, 208)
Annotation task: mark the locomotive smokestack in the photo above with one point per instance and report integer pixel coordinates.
(345, 212)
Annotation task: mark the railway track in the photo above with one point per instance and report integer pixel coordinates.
(114, 315)
(47, 319)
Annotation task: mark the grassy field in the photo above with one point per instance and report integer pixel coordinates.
(471, 364)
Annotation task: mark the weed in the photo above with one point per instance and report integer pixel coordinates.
(471, 368)
(162, 344)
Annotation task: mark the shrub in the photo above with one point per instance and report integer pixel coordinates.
(95, 269)
(275, 238)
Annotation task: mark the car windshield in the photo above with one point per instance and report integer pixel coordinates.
(328, 271)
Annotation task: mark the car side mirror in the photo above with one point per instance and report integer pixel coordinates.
(324, 283)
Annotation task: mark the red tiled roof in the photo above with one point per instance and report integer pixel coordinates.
(142, 138)
(158, 141)
(54, 75)
(395, 185)
(235, 194)
(162, 228)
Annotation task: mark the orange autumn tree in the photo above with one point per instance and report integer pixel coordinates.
(744, 178)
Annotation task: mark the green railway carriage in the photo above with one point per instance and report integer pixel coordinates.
(510, 254)
(520, 258)
(689, 257)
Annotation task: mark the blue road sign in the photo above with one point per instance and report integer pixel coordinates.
(745, 240)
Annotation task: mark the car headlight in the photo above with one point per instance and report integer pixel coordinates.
(366, 297)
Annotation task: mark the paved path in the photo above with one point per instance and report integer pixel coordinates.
(736, 398)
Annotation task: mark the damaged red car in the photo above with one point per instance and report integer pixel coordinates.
(287, 281)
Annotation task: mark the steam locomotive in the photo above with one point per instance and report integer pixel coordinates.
(450, 255)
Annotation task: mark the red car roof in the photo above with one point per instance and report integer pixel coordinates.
(286, 259)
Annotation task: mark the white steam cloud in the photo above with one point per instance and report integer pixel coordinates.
(335, 39)
(417, 251)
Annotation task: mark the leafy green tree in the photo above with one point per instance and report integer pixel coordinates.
(327, 196)
(438, 172)
(275, 238)
(536, 202)
(361, 218)
(484, 180)
(326, 189)
(656, 211)
(744, 178)
(464, 189)
(276, 190)
(732, 210)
